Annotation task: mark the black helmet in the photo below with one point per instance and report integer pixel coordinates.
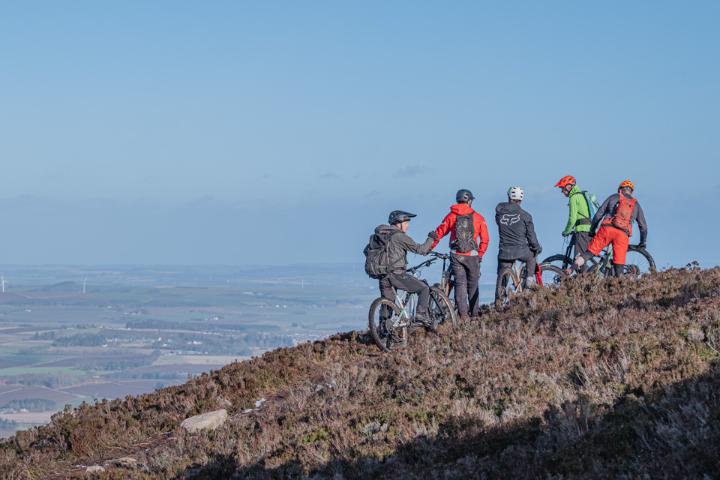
(464, 196)
(398, 216)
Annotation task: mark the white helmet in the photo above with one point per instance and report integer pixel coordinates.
(516, 193)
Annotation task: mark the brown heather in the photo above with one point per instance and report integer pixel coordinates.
(615, 378)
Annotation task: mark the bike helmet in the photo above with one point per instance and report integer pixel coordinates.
(516, 193)
(399, 216)
(464, 196)
(627, 184)
(565, 181)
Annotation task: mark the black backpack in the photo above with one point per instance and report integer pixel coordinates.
(464, 234)
(377, 255)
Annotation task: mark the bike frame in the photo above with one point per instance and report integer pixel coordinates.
(604, 257)
(408, 304)
(516, 273)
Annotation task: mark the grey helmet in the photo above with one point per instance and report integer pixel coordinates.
(399, 216)
(464, 196)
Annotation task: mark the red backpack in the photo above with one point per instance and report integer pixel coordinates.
(622, 218)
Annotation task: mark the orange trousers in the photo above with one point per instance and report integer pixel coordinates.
(610, 235)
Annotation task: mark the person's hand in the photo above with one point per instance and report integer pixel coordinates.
(433, 235)
(538, 250)
(565, 234)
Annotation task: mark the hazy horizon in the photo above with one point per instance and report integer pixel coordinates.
(275, 133)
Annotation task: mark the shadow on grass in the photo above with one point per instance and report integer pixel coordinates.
(669, 433)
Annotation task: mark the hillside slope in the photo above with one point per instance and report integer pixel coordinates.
(596, 379)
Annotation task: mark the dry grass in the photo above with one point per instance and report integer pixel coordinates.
(615, 378)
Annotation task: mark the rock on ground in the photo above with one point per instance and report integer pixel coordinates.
(206, 421)
(125, 462)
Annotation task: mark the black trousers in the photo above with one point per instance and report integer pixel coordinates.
(466, 270)
(503, 265)
(582, 240)
(403, 281)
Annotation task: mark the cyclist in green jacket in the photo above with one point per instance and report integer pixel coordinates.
(579, 221)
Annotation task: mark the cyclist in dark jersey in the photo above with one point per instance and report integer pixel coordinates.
(517, 238)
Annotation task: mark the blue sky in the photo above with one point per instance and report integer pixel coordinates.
(283, 132)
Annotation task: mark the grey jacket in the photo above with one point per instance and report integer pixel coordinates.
(607, 209)
(400, 244)
(517, 232)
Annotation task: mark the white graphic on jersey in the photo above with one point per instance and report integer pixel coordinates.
(510, 219)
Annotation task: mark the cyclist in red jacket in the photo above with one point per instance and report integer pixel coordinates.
(469, 240)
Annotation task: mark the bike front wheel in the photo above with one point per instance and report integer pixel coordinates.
(441, 310)
(386, 320)
(551, 275)
(639, 262)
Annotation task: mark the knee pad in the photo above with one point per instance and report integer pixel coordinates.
(580, 260)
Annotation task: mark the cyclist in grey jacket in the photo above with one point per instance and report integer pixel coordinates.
(517, 237)
(400, 243)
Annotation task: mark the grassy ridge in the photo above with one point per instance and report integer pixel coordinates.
(597, 379)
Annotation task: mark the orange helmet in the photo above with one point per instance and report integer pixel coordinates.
(627, 183)
(565, 181)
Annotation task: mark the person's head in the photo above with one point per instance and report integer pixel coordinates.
(464, 196)
(516, 194)
(400, 219)
(627, 187)
(566, 184)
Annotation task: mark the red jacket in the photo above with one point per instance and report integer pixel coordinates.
(479, 227)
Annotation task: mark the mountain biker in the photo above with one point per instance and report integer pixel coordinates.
(517, 239)
(469, 240)
(579, 221)
(398, 244)
(615, 218)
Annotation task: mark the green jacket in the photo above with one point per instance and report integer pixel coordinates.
(578, 211)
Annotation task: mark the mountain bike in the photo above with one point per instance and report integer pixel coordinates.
(447, 280)
(401, 312)
(513, 281)
(639, 261)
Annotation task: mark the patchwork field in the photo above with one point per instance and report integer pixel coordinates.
(138, 329)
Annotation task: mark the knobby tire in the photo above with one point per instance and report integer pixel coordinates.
(374, 326)
(438, 300)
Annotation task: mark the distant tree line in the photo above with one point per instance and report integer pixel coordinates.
(8, 424)
(195, 325)
(31, 404)
(50, 380)
(82, 340)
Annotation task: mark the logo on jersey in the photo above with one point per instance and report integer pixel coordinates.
(510, 219)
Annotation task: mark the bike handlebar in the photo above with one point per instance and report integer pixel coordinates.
(441, 256)
(424, 264)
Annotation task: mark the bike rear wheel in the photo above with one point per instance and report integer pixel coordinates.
(382, 310)
(441, 310)
(560, 261)
(511, 287)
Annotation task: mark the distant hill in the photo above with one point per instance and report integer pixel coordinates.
(598, 379)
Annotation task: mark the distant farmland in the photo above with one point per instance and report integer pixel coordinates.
(138, 329)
